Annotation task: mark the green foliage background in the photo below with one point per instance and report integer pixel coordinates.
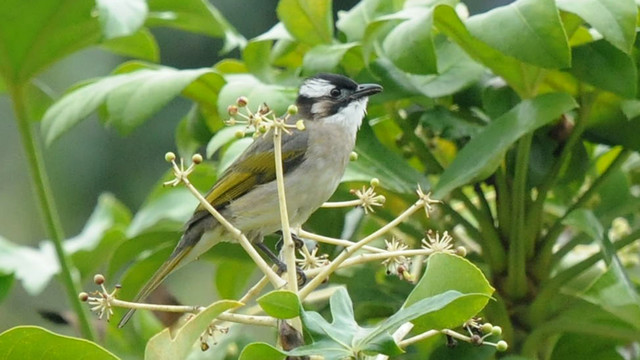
(524, 118)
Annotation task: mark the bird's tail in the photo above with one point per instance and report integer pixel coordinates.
(156, 280)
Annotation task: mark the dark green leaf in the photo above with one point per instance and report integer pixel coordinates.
(447, 272)
(375, 160)
(32, 342)
(353, 23)
(310, 22)
(121, 17)
(579, 346)
(614, 293)
(129, 98)
(174, 206)
(262, 351)
(35, 34)
(6, 283)
(482, 155)
(540, 39)
(614, 19)
(604, 66)
(410, 45)
(277, 97)
(608, 124)
(198, 16)
(281, 304)
(177, 344)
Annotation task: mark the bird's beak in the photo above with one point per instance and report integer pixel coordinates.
(366, 90)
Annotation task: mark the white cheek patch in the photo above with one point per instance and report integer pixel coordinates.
(315, 88)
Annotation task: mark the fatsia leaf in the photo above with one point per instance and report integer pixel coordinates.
(614, 19)
(281, 304)
(33, 342)
(121, 17)
(178, 344)
(540, 39)
(482, 155)
(129, 98)
(410, 45)
(310, 22)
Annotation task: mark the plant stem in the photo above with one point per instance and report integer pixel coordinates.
(517, 259)
(47, 206)
(546, 253)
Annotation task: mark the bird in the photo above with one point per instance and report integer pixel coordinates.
(332, 107)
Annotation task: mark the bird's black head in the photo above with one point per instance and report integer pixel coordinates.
(324, 95)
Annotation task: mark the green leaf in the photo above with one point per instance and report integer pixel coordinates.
(604, 66)
(178, 344)
(6, 283)
(232, 276)
(614, 19)
(344, 338)
(613, 290)
(281, 304)
(325, 58)
(223, 137)
(410, 45)
(197, 16)
(176, 206)
(129, 98)
(38, 98)
(608, 123)
(375, 160)
(354, 23)
(35, 267)
(456, 71)
(33, 342)
(522, 77)
(277, 97)
(51, 30)
(580, 346)
(529, 30)
(447, 272)
(482, 155)
(141, 45)
(262, 351)
(121, 17)
(310, 22)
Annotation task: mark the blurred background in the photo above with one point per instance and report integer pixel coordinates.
(92, 160)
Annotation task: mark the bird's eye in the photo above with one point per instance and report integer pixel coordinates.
(335, 92)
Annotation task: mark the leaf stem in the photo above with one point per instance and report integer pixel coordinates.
(42, 188)
(517, 259)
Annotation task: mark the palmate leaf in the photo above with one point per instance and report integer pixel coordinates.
(344, 338)
(130, 98)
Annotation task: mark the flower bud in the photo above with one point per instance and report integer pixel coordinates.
(502, 346)
(496, 330)
(353, 156)
(262, 128)
(242, 101)
(196, 158)
(461, 251)
(169, 157)
(300, 125)
(486, 328)
(98, 279)
(232, 110)
(374, 182)
(230, 122)
(292, 110)
(83, 296)
(264, 109)
(239, 134)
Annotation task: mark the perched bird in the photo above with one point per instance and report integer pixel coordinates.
(314, 160)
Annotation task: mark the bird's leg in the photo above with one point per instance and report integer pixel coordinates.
(298, 242)
(282, 267)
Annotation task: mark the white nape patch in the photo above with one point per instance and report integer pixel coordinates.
(314, 88)
(350, 116)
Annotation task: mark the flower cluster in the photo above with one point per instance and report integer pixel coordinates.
(261, 121)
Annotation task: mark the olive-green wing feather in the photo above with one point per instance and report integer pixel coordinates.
(256, 166)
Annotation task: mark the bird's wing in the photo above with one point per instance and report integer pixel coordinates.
(256, 166)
